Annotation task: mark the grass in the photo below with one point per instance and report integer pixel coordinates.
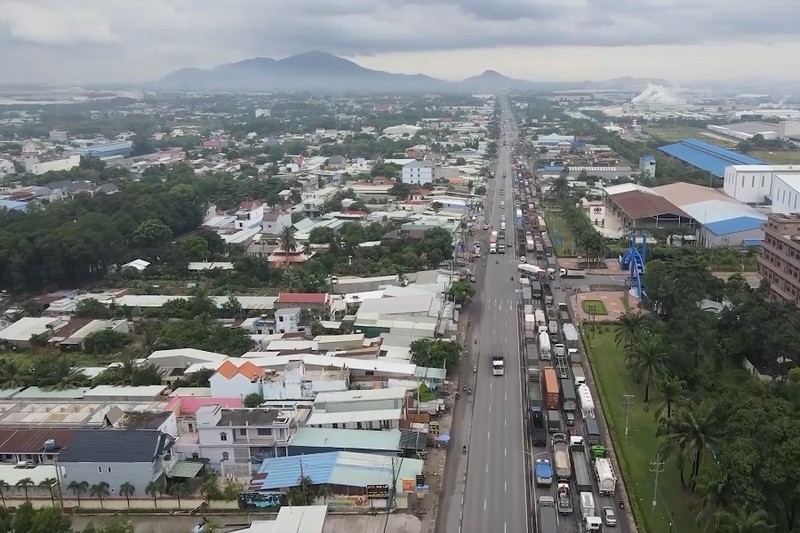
(678, 133)
(596, 307)
(791, 157)
(637, 453)
(560, 233)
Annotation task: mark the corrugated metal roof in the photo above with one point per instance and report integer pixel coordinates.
(639, 204)
(734, 225)
(285, 471)
(706, 156)
(712, 211)
(353, 417)
(346, 439)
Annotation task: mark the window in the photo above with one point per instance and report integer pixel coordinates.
(223, 436)
(195, 455)
(264, 431)
(243, 432)
(109, 469)
(225, 456)
(100, 469)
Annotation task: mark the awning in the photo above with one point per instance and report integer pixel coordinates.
(185, 469)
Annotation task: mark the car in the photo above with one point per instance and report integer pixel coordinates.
(570, 418)
(486, 226)
(472, 278)
(523, 259)
(609, 517)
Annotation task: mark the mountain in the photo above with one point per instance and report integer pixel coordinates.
(312, 71)
(493, 81)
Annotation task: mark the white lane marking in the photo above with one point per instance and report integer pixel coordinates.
(488, 435)
(505, 452)
(487, 468)
(505, 486)
(490, 408)
(491, 383)
(505, 526)
(484, 504)
(506, 422)
(506, 397)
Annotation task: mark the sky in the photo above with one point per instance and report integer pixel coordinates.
(120, 41)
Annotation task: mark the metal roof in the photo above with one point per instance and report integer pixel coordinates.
(711, 211)
(352, 417)
(638, 204)
(343, 439)
(734, 225)
(114, 446)
(706, 156)
(682, 194)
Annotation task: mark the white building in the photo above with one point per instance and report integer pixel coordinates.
(274, 223)
(250, 214)
(786, 193)
(418, 173)
(297, 382)
(237, 379)
(287, 320)
(263, 113)
(34, 166)
(58, 135)
(755, 184)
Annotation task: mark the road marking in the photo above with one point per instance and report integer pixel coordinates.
(487, 468)
(506, 422)
(505, 486)
(490, 408)
(506, 397)
(484, 504)
(488, 435)
(491, 383)
(505, 452)
(505, 527)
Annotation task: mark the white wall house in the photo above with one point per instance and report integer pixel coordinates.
(753, 184)
(250, 214)
(34, 166)
(232, 381)
(287, 320)
(786, 193)
(275, 223)
(418, 172)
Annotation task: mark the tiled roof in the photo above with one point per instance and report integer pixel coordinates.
(115, 446)
(247, 369)
(32, 440)
(302, 298)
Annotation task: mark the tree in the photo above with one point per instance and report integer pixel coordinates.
(253, 400)
(302, 493)
(210, 489)
(151, 233)
(50, 484)
(288, 242)
(50, 520)
(105, 341)
(745, 519)
(179, 490)
(78, 488)
(3, 489)
(195, 248)
(436, 207)
(25, 484)
(325, 491)
(23, 518)
(690, 431)
(11, 375)
(645, 359)
(630, 327)
(460, 291)
(154, 489)
(435, 352)
(232, 308)
(672, 392)
(100, 491)
(92, 308)
(127, 489)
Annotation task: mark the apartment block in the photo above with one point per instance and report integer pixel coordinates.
(779, 262)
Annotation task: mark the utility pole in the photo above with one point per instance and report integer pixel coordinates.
(627, 403)
(657, 467)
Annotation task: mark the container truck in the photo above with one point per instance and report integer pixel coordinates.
(561, 457)
(552, 396)
(547, 515)
(548, 293)
(585, 398)
(572, 273)
(589, 519)
(527, 295)
(564, 498)
(552, 329)
(563, 313)
(574, 356)
(604, 472)
(570, 335)
(578, 374)
(530, 329)
(544, 346)
(536, 288)
(592, 431)
(529, 244)
(538, 425)
(541, 318)
(559, 350)
(569, 400)
(544, 473)
(580, 464)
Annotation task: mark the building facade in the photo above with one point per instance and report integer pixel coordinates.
(418, 173)
(779, 262)
(755, 184)
(647, 166)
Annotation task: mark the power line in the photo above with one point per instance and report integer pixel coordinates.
(627, 403)
(656, 467)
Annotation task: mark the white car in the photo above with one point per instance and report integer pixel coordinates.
(609, 517)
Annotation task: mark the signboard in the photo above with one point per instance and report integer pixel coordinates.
(347, 502)
(377, 492)
(409, 484)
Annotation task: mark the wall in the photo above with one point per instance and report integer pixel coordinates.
(48, 166)
(785, 198)
(238, 386)
(138, 474)
(138, 501)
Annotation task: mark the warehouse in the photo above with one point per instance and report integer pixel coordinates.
(705, 156)
(723, 223)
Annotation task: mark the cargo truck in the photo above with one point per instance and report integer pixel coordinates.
(529, 244)
(552, 396)
(554, 424)
(569, 400)
(544, 473)
(578, 374)
(530, 329)
(501, 245)
(589, 519)
(536, 289)
(548, 293)
(561, 457)
(564, 498)
(544, 346)
(493, 243)
(563, 313)
(540, 318)
(606, 480)
(572, 273)
(580, 466)
(570, 335)
(547, 515)
(552, 329)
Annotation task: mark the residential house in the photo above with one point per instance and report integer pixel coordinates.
(336, 162)
(418, 172)
(33, 445)
(274, 223)
(316, 302)
(250, 214)
(371, 409)
(232, 380)
(116, 456)
(287, 319)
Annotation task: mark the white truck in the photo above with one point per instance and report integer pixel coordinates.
(589, 519)
(570, 335)
(568, 273)
(586, 401)
(530, 327)
(544, 346)
(579, 374)
(541, 320)
(564, 498)
(606, 479)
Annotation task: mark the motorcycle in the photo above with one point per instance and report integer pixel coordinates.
(464, 449)
(469, 392)
(458, 396)
(622, 504)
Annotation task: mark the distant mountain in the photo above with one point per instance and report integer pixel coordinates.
(493, 81)
(312, 71)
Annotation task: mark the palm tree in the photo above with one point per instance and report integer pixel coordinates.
(210, 489)
(25, 484)
(692, 430)
(78, 488)
(11, 375)
(178, 490)
(645, 359)
(154, 489)
(715, 487)
(3, 488)
(49, 484)
(288, 242)
(325, 491)
(630, 327)
(68, 377)
(127, 489)
(100, 491)
(671, 389)
(744, 519)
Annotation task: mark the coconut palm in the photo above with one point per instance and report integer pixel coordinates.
(68, 378)
(3, 489)
(714, 487)
(155, 489)
(672, 393)
(11, 375)
(49, 484)
(288, 242)
(127, 489)
(179, 490)
(25, 484)
(630, 327)
(325, 491)
(78, 488)
(210, 489)
(691, 430)
(744, 519)
(100, 491)
(645, 359)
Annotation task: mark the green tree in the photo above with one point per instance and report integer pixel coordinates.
(325, 491)
(672, 390)
(50, 520)
(302, 494)
(460, 291)
(154, 489)
(630, 327)
(692, 430)
(100, 491)
(11, 375)
(92, 308)
(51, 484)
(78, 488)
(126, 490)
(645, 359)
(105, 341)
(195, 248)
(179, 490)
(435, 352)
(25, 484)
(151, 233)
(288, 242)
(3, 489)
(745, 519)
(24, 517)
(253, 400)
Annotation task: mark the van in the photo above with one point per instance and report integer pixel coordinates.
(503, 226)
(592, 431)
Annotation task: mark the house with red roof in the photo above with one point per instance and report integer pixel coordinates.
(314, 301)
(238, 378)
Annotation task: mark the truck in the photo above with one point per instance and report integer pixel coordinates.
(604, 472)
(592, 431)
(501, 245)
(527, 296)
(561, 457)
(539, 251)
(578, 374)
(585, 398)
(570, 335)
(540, 318)
(543, 471)
(580, 465)
(538, 425)
(498, 368)
(548, 293)
(529, 244)
(552, 329)
(544, 345)
(536, 288)
(564, 498)
(589, 519)
(493, 243)
(559, 350)
(547, 515)
(563, 312)
(552, 396)
(529, 270)
(554, 424)
(569, 400)
(571, 273)
(530, 328)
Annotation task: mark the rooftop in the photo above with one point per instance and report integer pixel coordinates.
(344, 439)
(24, 328)
(318, 298)
(638, 205)
(706, 156)
(713, 211)
(353, 417)
(682, 193)
(32, 440)
(391, 393)
(115, 446)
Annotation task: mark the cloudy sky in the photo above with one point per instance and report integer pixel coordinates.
(82, 41)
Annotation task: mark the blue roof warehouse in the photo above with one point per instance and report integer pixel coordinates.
(706, 156)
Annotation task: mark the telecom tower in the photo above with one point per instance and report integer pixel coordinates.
(634, 262)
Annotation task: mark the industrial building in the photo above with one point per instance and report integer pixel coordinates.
(723, 223)
(705, 156)
(757, 184)
(779, 262)
(746, 130)
(123, 148)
